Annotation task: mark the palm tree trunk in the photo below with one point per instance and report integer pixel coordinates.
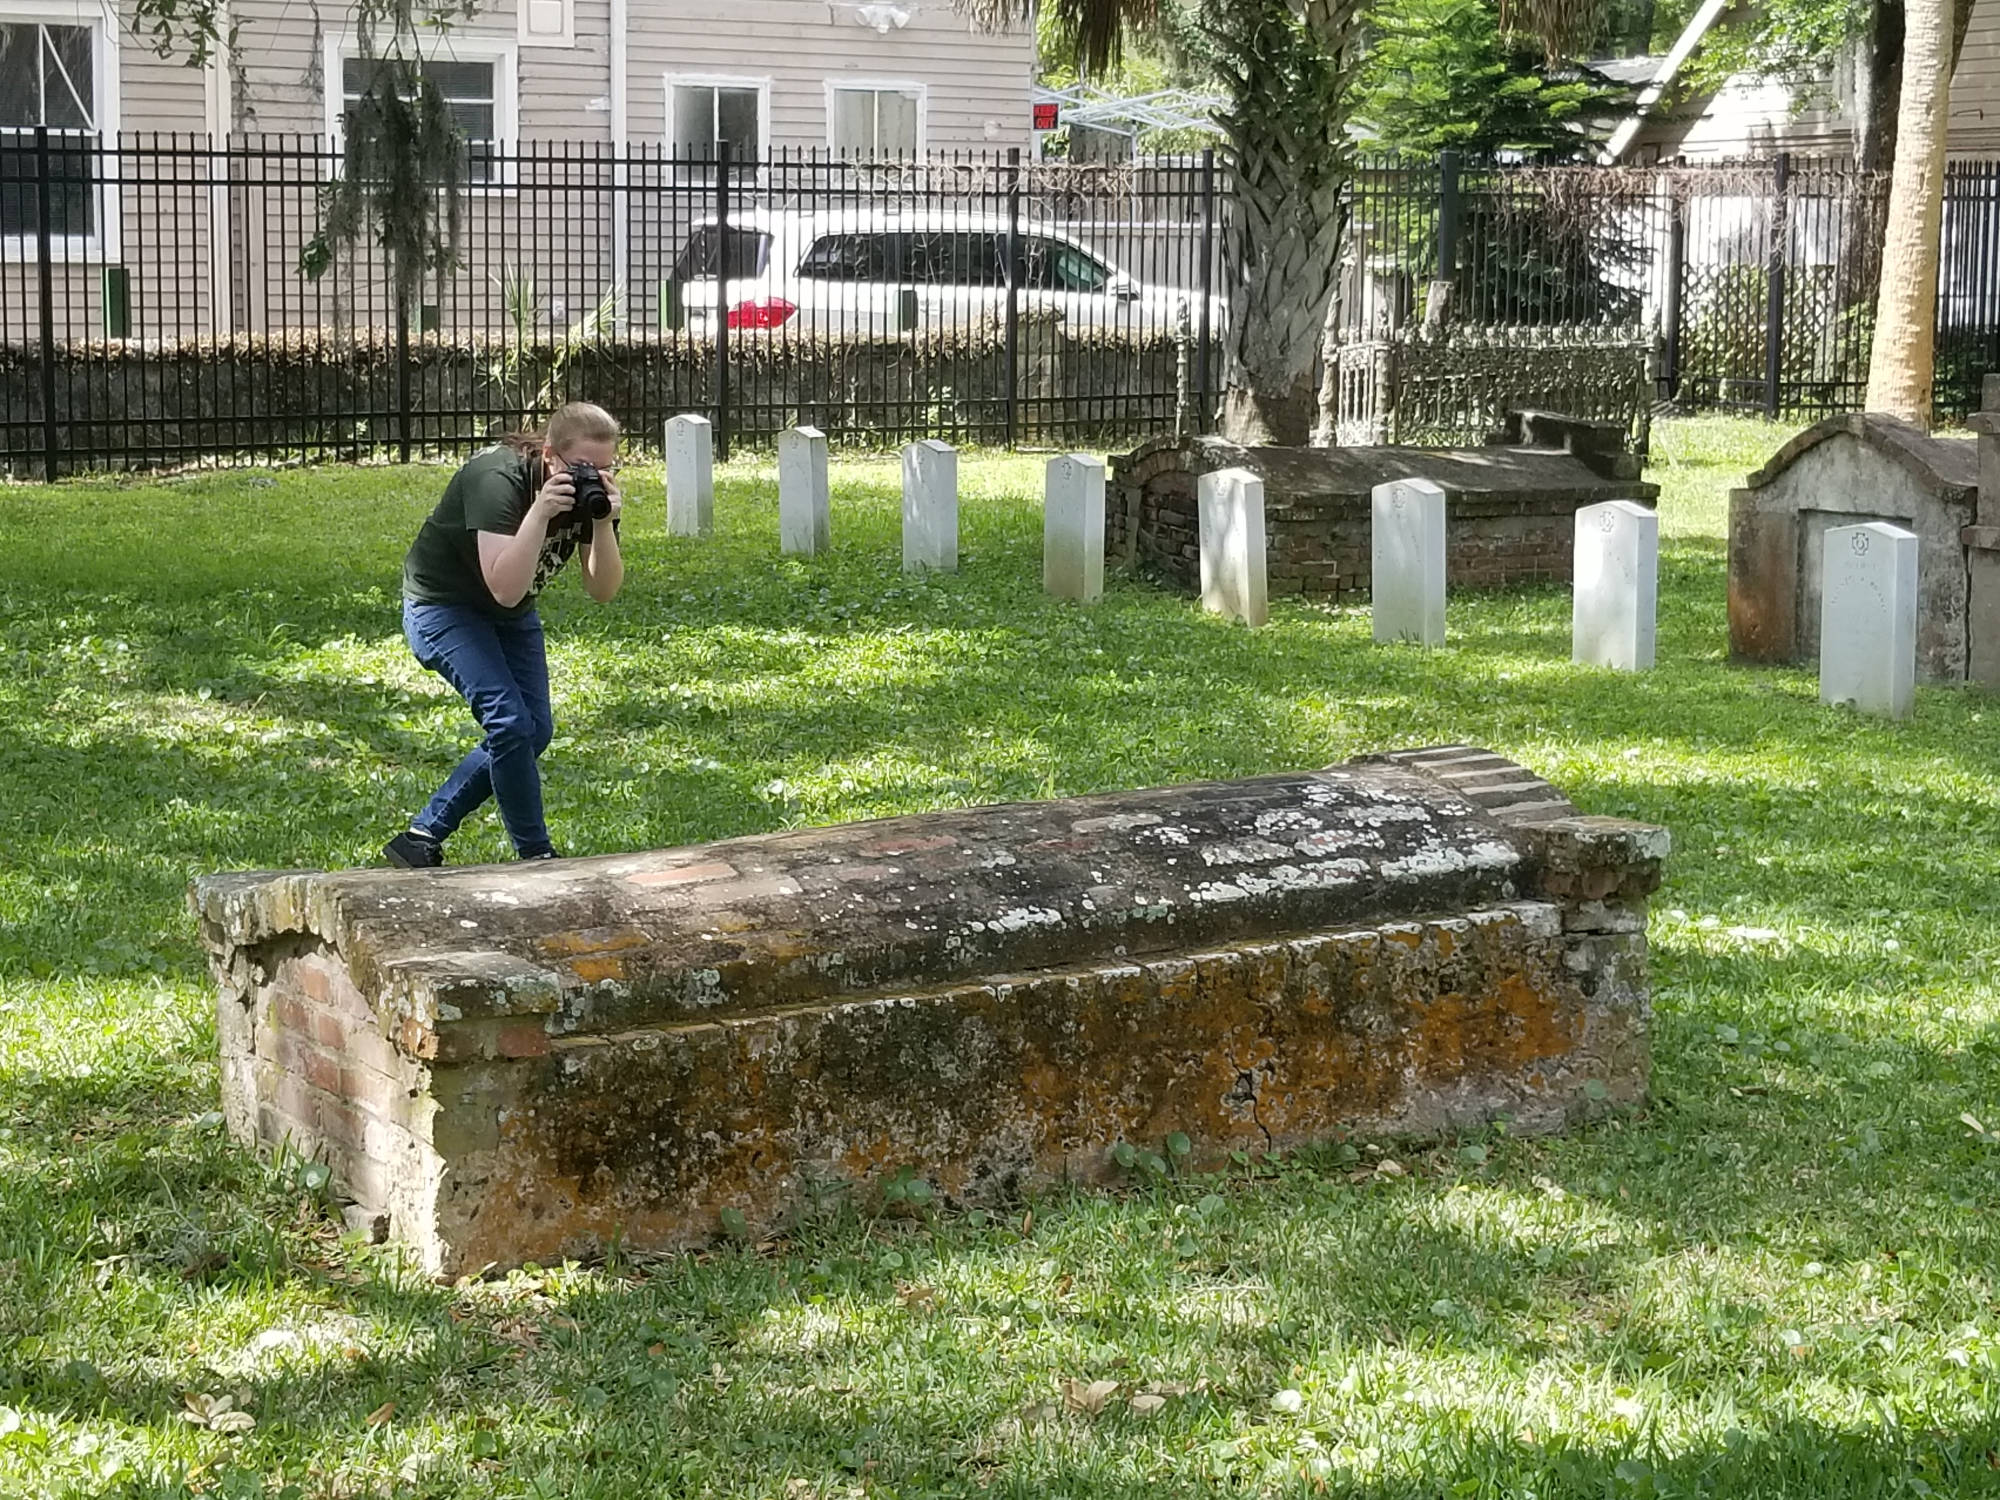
(1901, 359)
(1287, 65)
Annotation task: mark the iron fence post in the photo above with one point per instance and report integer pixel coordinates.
(1774, 283)
(1012, 376)
(402, 374)
(1670, 371)
(45, 269)
(1207, 408)
(1448, 215)
(721, 300)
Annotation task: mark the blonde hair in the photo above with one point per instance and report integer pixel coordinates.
(574, 422)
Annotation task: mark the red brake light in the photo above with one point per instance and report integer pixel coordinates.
(769, 312)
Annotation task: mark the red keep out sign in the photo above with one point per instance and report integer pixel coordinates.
(1045, 116)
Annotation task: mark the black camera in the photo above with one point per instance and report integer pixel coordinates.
(593, 501)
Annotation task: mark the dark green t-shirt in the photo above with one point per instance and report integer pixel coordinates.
(491, 493)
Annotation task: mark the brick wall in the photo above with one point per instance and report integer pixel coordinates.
(307, 1064)
(1317, 535)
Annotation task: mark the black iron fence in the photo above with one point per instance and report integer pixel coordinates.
(1757, 279)
(157, 305)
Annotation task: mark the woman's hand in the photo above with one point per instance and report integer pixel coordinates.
(558, 495)
(616, 496)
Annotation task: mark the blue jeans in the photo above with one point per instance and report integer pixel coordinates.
(500, 668)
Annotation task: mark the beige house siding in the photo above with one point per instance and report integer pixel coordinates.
(1975, 87)
(1754, 119)
(183, 231)
(976, 86)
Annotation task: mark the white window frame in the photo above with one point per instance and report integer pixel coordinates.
(104, 84)
(686, 173)
(504, 52)
(921, 92)
(566, 38)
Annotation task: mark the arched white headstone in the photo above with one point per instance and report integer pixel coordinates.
(1231, 538)
(1614, 612)
(805, 525)
(1073, 528)
(690, 476)
(930, 507)
(1868, 619)
(1407, 580)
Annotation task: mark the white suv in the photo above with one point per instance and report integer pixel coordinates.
(868, 270)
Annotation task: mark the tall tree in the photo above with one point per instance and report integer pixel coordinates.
(1901, 358)
(1442, 75)
(1288, 69)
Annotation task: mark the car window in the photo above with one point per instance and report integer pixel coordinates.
(856, 257)
(1075, 271)
(749, 251)
(958, 258)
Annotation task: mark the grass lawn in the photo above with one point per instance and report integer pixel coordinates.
(1777, 1280)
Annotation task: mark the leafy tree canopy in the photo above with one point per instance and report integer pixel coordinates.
(1442, 75)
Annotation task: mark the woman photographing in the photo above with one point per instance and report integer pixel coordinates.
(509, 521)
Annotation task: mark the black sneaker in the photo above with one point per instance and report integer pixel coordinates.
(410, 850)
(544, 854)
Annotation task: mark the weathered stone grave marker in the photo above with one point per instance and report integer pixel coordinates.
(532, 1061)
(1868, 619)
(805, 522)
(1615, 608)
(1407, 546)
(690, 476)
(930, 507)
(1073, 528)
(1234, 579)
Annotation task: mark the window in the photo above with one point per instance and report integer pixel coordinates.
(856, 257)
(1051, 266)
(873, 122)
(959, 259)
(52, 74)
(705, 114)
(474, 73)
(748, 252)
(470, 96)
(927, 257)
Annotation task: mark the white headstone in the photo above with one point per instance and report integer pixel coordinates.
(1617, 590)
(1407, 581)
(1073, 528)
(690, 476)
(1868, 619)
(805, 525)
(1231, 536)
(930, 507)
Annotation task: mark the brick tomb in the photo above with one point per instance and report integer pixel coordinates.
(1510, 506)
(529, 1061)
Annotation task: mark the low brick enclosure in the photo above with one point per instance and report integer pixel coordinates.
(526, 1062)
(1510, 507)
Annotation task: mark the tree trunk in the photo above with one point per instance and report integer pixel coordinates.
(1878, 77)
(1286, 65)
(1900, 363)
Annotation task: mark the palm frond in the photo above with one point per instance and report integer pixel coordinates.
(1561, 26)
(1097, 27)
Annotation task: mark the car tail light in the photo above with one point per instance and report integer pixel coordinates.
(767, 312)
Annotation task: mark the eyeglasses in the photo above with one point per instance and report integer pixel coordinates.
(611, 468)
